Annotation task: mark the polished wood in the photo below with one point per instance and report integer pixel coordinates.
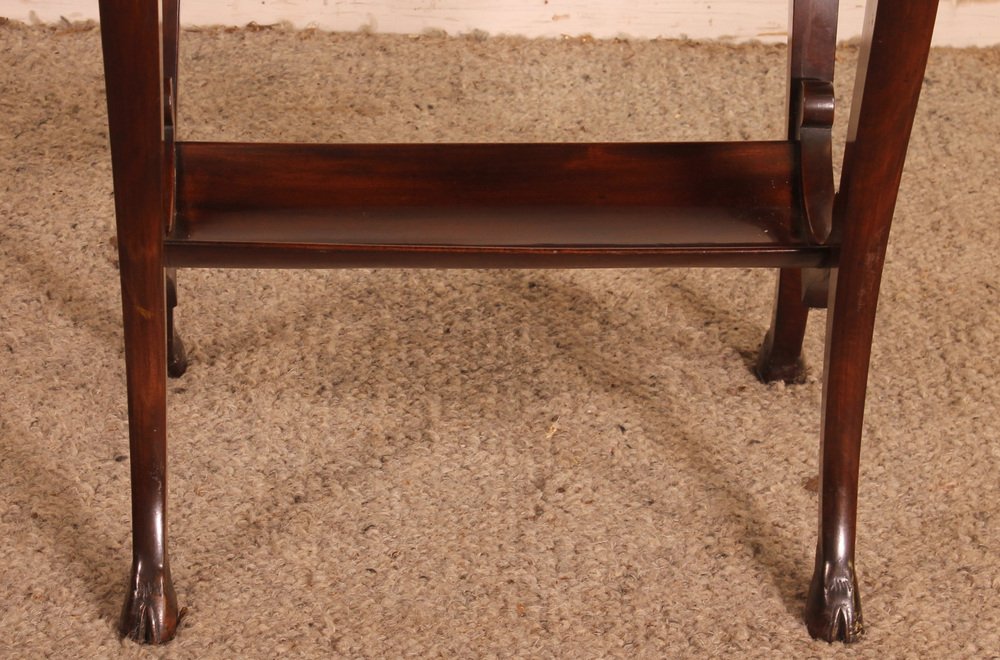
(893, 58)
(811, 62)
(176, 355)
(130, 38)
(812, 46)
(780, 355)
(488, 205)
(749, 204)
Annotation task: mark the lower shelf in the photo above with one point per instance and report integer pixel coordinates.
(488, 205)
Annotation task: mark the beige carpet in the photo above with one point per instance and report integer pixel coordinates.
(468, 464)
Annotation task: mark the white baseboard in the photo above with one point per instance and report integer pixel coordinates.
(960, 22)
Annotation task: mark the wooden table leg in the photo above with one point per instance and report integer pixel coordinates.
(780, 355)
(176, 355)
(881, 121)
(812, 47)
(130, 37)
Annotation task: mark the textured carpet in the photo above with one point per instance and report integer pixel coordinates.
(379, 463)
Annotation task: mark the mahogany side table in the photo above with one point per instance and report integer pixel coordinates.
(766, 204)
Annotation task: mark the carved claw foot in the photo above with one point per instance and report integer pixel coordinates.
(176, 356)
(772, 366)
(150, 614)
(833, 607)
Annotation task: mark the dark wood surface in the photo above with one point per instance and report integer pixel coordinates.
(135, 114)
(487, 205)
(812, 51)
(741, 176)
(760, 204)
(893, 58)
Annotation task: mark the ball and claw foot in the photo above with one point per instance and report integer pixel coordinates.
(833, 607)
(150, 614)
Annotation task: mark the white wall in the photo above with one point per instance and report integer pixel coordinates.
(960, 22)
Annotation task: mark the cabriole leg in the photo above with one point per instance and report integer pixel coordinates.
(130, 38)
(780, 355)
(891, 69)
(833, 606)
(812, 42)
(176, 355)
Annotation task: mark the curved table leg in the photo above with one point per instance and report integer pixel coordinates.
(780, 355)
(176, 355)
(130, 34)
